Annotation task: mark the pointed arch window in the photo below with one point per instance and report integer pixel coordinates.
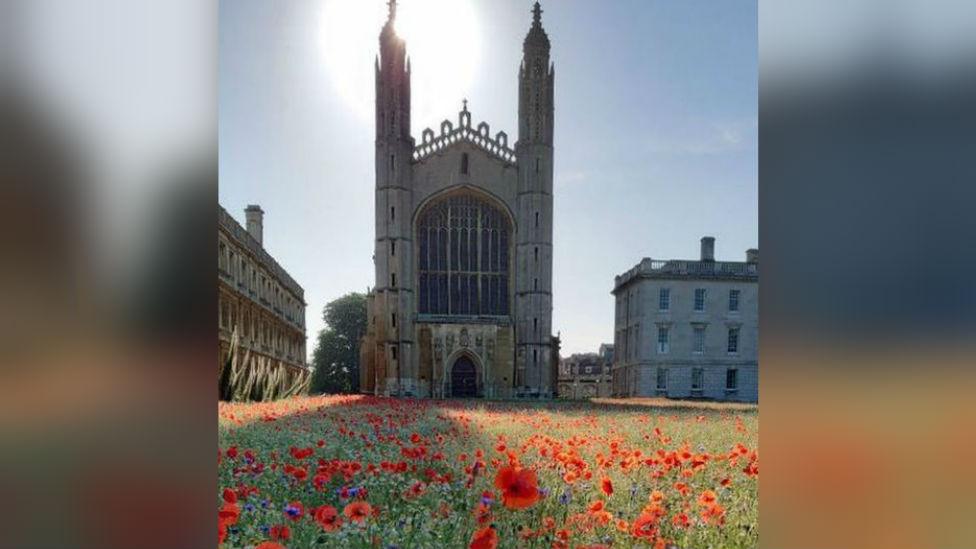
(464, 163)
(463, 257)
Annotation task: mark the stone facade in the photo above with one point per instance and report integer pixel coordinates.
(256, 296)
(585, 375)
(688, 329)
(462, 304)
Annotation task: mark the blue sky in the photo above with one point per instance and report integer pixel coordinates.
(655, 130)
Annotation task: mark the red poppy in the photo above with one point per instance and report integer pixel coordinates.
(357, 511)
(681, 521)
(229, 514)
(416, 490)
(714, 513)
(280, 531)
(328, 518)
(519, 487)
(645, 526)
(230, 496)
(485, 538)
(606, 486)
(707, 498)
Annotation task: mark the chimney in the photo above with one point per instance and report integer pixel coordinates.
(708, 248)
(752, 255)
(254, 216)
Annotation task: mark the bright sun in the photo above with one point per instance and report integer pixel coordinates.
(442, 43)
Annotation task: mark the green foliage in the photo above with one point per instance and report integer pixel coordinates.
(336, 356)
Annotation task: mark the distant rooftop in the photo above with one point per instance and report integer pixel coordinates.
(689, 269)
(229, 224)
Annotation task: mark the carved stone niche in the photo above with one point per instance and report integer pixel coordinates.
(450, 343)
(465, 339)
(478, 341)
(438, 349)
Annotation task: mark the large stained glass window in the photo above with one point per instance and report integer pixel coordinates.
(463, 263)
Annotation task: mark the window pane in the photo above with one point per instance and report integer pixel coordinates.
(463, 249)
(463, 234)
(483, 290)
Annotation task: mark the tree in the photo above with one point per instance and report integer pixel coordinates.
(336, 356)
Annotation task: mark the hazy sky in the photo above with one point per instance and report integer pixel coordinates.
(655, 130)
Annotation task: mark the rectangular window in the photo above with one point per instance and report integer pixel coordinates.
(696, 379)
(535, 284)
(394, 351)
(393, 247)
(393, 280)
(537, 220)
(535, 325)
(699, 299)
(733, 340)
(662, 379)
(392, 162)
(699, 340)
(663, 340)
(664, 299)
(537, 254)
(731, 379)
(393, 319)
(733, 300)
(392, 213)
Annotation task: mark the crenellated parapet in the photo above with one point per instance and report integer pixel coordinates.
(480, 136)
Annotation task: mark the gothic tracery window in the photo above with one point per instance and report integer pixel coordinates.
(463, 257)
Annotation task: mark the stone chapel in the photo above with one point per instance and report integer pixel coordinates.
(462, 302)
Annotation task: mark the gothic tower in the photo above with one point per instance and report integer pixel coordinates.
(533, 299)
(394, 146)
(462, 303)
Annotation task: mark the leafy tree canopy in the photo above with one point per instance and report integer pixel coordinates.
(336, 355)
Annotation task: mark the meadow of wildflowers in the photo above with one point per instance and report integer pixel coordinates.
(357, 471)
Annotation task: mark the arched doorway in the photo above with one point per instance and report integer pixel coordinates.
(464, 378)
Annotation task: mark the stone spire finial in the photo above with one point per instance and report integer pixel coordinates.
(392, 5)
(536, 39)
(464, 105)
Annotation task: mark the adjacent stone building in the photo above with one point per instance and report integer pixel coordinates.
(256, 297)
(585, 375)
(462, 303)
(688, 329)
